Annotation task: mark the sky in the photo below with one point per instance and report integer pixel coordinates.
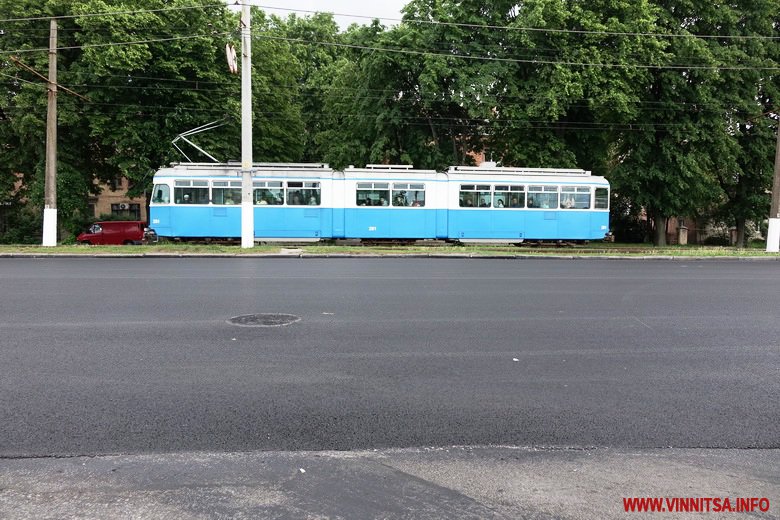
(388, 9)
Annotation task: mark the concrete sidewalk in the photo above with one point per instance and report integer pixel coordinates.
(458, 482)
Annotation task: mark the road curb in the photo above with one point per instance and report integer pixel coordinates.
(393, 255)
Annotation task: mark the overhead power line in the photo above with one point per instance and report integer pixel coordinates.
(350, 91)
(112, 13)
(17, 78)
(16, 61)
(528, 29)
(406, 119)
(536, 61)
(116, 44)
(512, 60)
(407, 20)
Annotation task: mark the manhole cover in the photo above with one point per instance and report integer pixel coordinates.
(264, 320)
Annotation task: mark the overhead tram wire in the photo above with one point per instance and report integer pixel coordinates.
(327, 88)
(529, 29)
(541, 60)
(429, 22)
(511, 60)
(112, 13)
(116, 44)
(444, 46)
(403, 101)
(408, 120)
(17, 78)
(409, 52)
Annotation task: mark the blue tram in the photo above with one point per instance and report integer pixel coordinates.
(309, 202)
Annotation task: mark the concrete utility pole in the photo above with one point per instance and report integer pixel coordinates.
(50, 189)
(773, 234)
(247, 204)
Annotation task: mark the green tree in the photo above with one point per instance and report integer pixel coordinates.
(689, 151)
(144, 94)
(23, 128)
(150, 70)
(389, 106)
(746, 96)
(311, 40)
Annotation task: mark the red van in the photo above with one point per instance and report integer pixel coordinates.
(113, 232)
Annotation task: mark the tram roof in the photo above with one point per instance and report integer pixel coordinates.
(493, 170)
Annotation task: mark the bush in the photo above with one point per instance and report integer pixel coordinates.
(716, 240)
(625, 222)
(24, 226)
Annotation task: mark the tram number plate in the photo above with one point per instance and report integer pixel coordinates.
(372, 228)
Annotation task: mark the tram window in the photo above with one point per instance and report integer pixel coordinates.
(567, 197)
(162, 194)
(466, 199)
(295, 193)
(545, 197)
(575, 197)
(311, 193)
(372, 194)
(517, 196)
(226, 192)
(268, 193)
(582, 197)
(408, 195)
(474, 195)
(483, 196)
(191, 192)
(602, 198)
(501, 196)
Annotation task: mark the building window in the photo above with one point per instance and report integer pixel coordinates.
(126, 211)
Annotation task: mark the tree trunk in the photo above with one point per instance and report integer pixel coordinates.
(434, 134)
(740, 233)
(659, 237)
(455, 148)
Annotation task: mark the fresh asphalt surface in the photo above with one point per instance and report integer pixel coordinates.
(134, 356)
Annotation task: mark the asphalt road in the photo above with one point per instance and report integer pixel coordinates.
(132, 356)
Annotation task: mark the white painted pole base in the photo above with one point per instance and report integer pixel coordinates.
(247, 224)
(49, 227)
(773, 236)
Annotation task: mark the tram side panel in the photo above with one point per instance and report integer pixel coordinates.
(160, 219)
(471, 215)
(508, 224)
(336, 201)
(508, 207)
(184, 220)
(294, 206)
(576, 224)
(215, 222)
(390, 204)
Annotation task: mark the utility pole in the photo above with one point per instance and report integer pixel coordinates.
(247, 202)
(50, 189)
(773, 234)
